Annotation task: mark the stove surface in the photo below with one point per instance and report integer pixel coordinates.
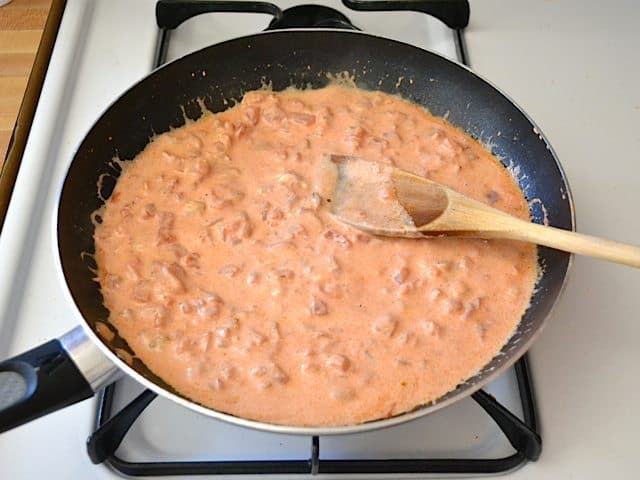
(572, 65)
(93, 63)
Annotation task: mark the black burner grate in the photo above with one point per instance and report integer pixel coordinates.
(111, 428)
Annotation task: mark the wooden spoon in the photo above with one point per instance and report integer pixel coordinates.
(383, 200)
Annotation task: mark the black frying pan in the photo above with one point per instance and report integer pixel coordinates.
(64, 371)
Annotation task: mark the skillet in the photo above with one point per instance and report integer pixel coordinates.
(69, 369)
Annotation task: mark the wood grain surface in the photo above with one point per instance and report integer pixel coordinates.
(21, 26)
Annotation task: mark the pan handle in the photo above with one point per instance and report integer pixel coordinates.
(50, 377)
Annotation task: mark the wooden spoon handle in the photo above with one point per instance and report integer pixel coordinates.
(572, 242)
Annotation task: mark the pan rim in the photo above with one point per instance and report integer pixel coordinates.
(465, 389)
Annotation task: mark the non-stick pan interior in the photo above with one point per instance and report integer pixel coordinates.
(218, 75)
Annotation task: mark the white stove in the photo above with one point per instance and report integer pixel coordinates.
(571, 67)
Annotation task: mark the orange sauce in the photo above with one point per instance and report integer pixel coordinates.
(229, 279)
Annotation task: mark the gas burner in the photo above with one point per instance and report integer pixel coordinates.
(311, 16)
(114, 422)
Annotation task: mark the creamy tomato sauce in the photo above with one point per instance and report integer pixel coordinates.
(229, 279)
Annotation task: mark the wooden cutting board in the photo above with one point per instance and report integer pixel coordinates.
(21, 26)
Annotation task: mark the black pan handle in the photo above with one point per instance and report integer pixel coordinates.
(46, 378)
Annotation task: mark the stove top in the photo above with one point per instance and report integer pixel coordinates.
(570, 65)
(135, 434)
